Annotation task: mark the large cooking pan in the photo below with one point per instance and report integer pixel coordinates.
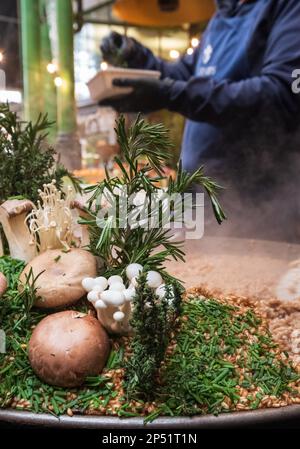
(284, 416)
(240, 266)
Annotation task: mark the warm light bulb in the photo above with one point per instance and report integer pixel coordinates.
(174, 54)
(195, 42)
(1, 56)
(51, 67)
(103, 65)
(58, 81)
(190, 51)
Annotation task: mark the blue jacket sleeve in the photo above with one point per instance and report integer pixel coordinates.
(207, 100)
(182, 70)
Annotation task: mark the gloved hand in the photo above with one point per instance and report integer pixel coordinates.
(122, 51)
(148, 95)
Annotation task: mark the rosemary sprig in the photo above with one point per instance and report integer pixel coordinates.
(27, 162)
(28, 291)
(120, 245)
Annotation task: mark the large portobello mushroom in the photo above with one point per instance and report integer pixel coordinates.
(68, 346)
(60, 283)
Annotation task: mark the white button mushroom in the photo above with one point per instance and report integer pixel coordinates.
(117, 286)
(101, 281)
(133, 270)
(154, 279)
(88, 284)
(161, 291)
(93, 296)
(112, 297)
(118, 316)
(133, 283)
(100, 304)
(98, 288)
(114, 279)
(129, 294)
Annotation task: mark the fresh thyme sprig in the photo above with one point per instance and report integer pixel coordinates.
(153, 322)
(145, 150)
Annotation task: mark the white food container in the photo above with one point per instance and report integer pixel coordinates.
(100, 86)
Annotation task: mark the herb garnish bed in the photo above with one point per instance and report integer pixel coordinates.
(222, 358)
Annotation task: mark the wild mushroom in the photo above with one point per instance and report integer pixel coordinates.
(60, 284)
(68, 346)
(3, 284)
(109, 302)
(154, 279)
(113, 305)
(12, 218)
(83, 229)
(51, 223)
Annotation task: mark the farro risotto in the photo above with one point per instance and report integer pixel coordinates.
(221, 357)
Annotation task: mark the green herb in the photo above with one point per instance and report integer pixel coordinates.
(26, 161)
(57, 258)
(152, 321)
(112, 237)
(198, 378)
(28, 292)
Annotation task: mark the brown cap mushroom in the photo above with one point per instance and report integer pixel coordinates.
(12, 219)
(66, 347)
(60, 283)
(3, 284)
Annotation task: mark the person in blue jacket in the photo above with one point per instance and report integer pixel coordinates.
(236, 92)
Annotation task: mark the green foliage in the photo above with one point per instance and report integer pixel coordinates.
(120, 245)
(214, 357)
(26, 162)
(152, 321)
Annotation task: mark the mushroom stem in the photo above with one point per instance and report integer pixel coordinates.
(51, 223)
(85, 238)
(3, 284)
(126, 309)
(1, 246)
(12, 218)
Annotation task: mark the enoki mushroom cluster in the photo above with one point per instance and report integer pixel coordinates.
(51, 222)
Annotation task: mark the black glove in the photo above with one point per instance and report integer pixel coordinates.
(122, 51)
(148, 95)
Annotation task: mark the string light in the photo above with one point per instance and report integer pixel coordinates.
(195, 42)
(103, 65)
(190, 51)
(51, 67)
(174, 54)
(58, 81)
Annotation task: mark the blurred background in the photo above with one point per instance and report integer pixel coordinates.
(49, 49)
